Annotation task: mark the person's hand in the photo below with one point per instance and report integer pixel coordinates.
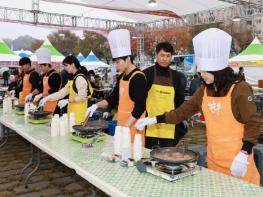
(28, 97)
(141, 123)
(239, 165)
(37, 98)
(43, 101)
(62, 103)
(105, 115)
(92, 109)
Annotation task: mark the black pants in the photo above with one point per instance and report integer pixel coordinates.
(151, 142)
(5, 82)
(180, 131)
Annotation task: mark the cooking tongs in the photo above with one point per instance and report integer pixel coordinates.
(85, 123)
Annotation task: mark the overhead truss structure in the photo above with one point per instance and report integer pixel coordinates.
(244, 9)
(64, 21)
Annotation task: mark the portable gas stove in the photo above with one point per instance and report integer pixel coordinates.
(88, 137)
(39, 117)
(19, 109)
(168, 172)
(39, 120)
(91, 133)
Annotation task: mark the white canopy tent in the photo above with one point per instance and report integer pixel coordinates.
(177, 6)
(87, 8)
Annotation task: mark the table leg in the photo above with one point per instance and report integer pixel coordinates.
(38, 152)
(29, 163)
(5, 135)
(94, 191)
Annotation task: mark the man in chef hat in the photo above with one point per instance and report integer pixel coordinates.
(51, 81)
(130, 92)
(30, 81)
(230, 113)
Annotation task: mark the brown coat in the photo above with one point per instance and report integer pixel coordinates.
(243, 108)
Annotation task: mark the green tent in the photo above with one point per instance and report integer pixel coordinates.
(253, 53)
(56, 56)
(252, 61)
(6, 54)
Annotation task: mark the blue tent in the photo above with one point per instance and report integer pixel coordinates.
(80, 57)
(23, 55)
(91, 62)
(92, 57)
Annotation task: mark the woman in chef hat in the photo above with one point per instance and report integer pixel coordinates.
(232, 122)
(78, 88)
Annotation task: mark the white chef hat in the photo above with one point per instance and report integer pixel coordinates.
(120, 43)
(43, 56)
(212, 48)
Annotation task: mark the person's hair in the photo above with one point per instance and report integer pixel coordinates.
(49, 65)
(241, 69)
(16, 72)
(97, 76)
(71, 59)
(223, 79)
(91, 72)
(123, 58)
(24, 61)
(166, 46)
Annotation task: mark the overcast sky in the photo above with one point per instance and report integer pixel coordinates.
(9, 30)
(14, 30)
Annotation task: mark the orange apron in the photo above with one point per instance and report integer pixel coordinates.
(224, 136)
(126, 106)
(26, 89)
(50, 105)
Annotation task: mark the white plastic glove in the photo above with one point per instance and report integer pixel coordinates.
(91, 110)
(239, 165)
(43, 101)
(105, 115)
(62, 103)
(29, 97)
(141, 123)
(37, 98)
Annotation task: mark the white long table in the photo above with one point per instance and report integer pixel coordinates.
(118, 181)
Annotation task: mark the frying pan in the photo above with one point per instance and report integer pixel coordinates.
(20, 107)
(95, 125)
(39, 114)
(159, 155)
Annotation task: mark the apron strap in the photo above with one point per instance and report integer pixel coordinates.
(231, 89)
(228, 94)
(170, 76)
(136, 72)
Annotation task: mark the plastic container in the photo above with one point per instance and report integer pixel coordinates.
(137, 147)
(126, 144)
(112, 124)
